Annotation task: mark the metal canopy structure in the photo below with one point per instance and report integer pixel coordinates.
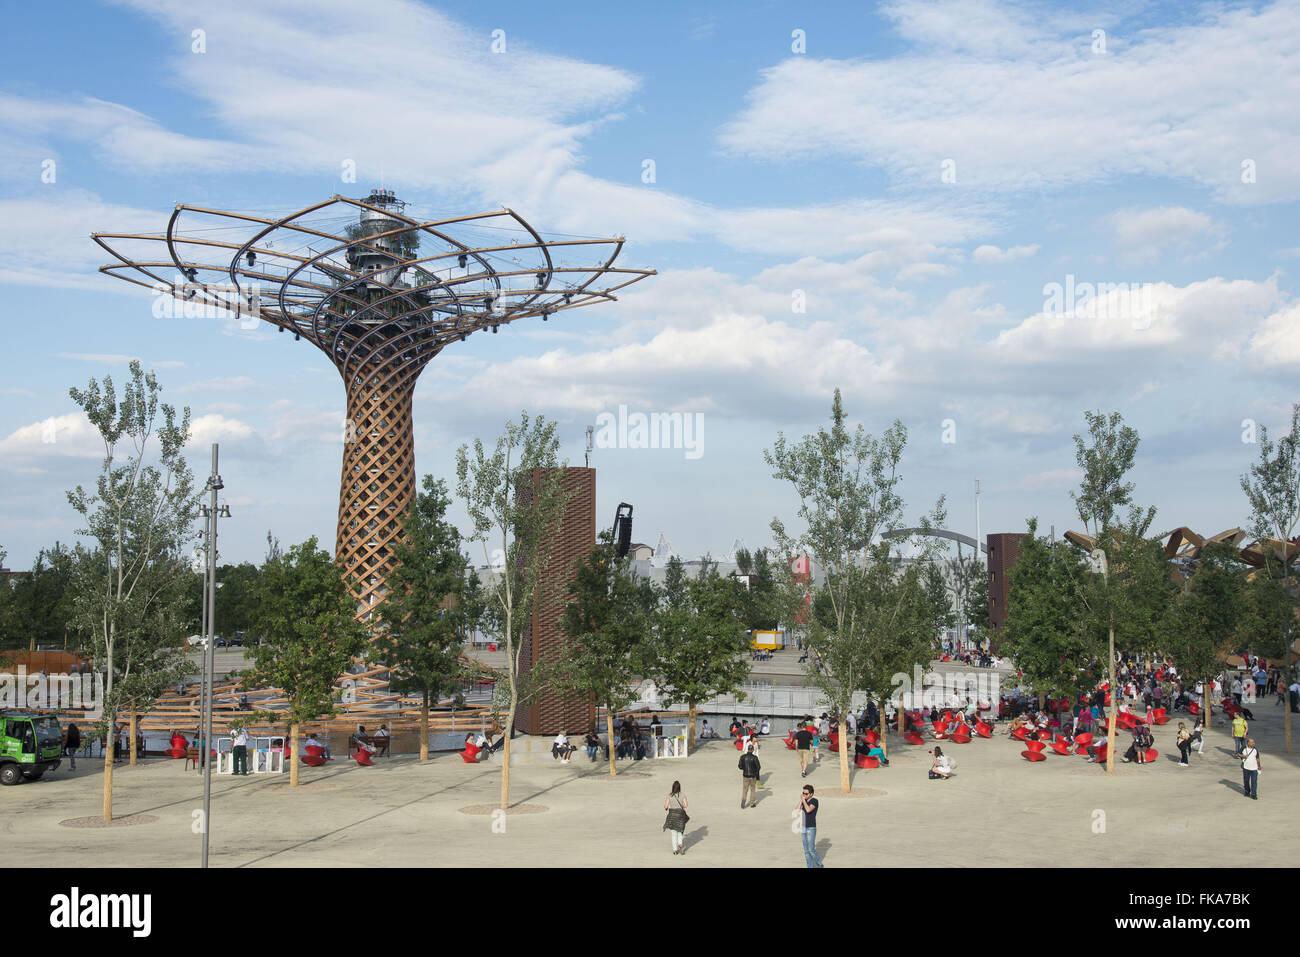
(381, 293)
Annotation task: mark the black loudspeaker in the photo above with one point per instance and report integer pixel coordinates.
(623, 530)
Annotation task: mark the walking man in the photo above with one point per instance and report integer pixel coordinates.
(807, 809)
(1239, 729)
(749, 770)
(803, 746)
(1250, 770)
(239, 753)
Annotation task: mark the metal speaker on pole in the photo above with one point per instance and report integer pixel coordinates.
(623, 530)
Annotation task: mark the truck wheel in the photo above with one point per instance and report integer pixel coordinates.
(10, 774)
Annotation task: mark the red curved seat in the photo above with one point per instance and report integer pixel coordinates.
(1020, 733)
(1036, 746)
(1152, 754)
(960, 737)
(1159, 716)
(1033, 755)
(176, 752)
(470, 754)
(790, 743)
(1193, 708)
(866, 763)
(913, 738)
(363, 758)
(1100, 752)
(740, 744)
(984, 730)
(1061, 747)
(872, 737)
(940, 729)
(1044, 735)
(1084, 739)
(313, 761)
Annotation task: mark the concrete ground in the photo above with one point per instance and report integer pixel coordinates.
(997, 810)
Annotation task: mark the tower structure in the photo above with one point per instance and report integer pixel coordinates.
(381, 292)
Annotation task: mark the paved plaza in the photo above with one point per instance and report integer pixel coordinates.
(997, 810)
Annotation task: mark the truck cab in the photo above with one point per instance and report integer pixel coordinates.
(30, 745)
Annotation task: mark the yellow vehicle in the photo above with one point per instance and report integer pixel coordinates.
(766, 640)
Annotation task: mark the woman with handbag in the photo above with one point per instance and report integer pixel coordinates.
(675, 822)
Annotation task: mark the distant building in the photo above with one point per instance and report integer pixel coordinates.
(1003, 549)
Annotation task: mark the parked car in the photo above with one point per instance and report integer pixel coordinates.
(196, 641)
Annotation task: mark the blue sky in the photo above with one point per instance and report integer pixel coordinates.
(1111, 159)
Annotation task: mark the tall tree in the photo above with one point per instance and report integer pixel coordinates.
(1105, 458)
(515, 498)
(701, 639)
(42, 601)
(874, 623)
(938, 597)
(309, 637)
(607, 629)
(1044, 629)
(1206, 614)
(425, 616)
(127, 583)
(1273, 490)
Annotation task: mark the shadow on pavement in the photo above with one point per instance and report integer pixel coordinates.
(695, 837)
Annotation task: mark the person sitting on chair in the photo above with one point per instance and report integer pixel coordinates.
(312, 742)
(561, 748)
(863, 749)
(706, 731)
(362, 745)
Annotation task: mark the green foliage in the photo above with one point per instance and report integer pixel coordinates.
(1267, 612)
(1104, 463)
(1135, 597)
(871, 618)
(1206, 612)
(39, 605)
(607, 624)
(425, 614)
(701, 639)
(938, 598)
(128, 585)
(1045, 631)
(309, 634)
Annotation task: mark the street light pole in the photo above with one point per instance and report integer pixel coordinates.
(211, 512)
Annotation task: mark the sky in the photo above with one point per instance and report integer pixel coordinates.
(916, 203)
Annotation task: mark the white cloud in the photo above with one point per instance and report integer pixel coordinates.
(1052, 115)
(1143, 234)
(992, 255)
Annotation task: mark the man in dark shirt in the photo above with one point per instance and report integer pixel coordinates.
(808, 812)
(749, 769)
(803, 746)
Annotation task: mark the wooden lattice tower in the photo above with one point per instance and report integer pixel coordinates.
(381, 293)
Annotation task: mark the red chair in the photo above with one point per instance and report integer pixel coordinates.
(1159, 716)
(1035, 746)
(1020, 733)
(1101, 752)
(790, 743)
(835, 741)
(1193, 708)
(872, 737)
(1084, 739)
(315, 756)
(961, 735)
(179, 746)
(740, 744)
(984, 730)
(866, 763)
(940, 729)
(470, 754)
(1061, 747)
(1152, 754)
(363, 758)
(912, 737)
(1033, 755)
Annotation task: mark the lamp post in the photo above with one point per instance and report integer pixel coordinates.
(210, 513)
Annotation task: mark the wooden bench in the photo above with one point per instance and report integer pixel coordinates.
(191, 757)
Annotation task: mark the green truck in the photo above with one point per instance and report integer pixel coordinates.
(30, 745)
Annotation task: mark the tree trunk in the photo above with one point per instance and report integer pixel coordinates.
(293, 755)
(884, 728)
(845, 784)
(108, 770)
(690, 726)
(505, 752)
(609, 728)
(1114, 701)
(424, 729)
(130, 730)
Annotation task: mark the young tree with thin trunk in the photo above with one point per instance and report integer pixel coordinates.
(140, 518)
(515, 498)
(425, 616)
(869, 616)
(1273, 489)
(1105, 459)
(701, 639)
(608, 637)
(1206, 614)
(309, 638)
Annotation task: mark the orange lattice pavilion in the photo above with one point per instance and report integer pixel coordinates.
(381, 293)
